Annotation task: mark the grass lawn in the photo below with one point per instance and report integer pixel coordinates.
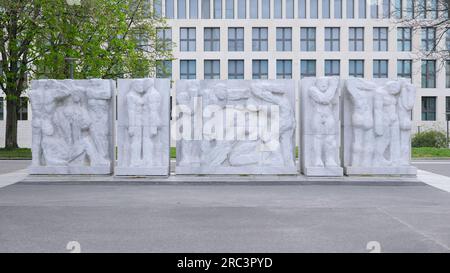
(423, 152)
(430, 152)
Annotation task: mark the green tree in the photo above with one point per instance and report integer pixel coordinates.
(88, 38)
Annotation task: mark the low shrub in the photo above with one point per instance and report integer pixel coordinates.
(435, 139)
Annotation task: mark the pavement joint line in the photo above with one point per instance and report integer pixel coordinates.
(435, 180)
(429, 237)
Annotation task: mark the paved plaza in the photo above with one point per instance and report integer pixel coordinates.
(414, 217)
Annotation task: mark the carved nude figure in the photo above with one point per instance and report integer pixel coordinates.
(386, 119)
(152, 123)
(405, 106)
(323, 123)
(362, 96)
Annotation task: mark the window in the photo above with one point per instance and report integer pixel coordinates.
(169, 9)
(236, 39)
(212, 39)
(386, 8)
(278, 9)
(259, 39)
(164, 38)
(241, 9)
(404, 69)
(428, 108)
(332, 68)
(380, 38)
(284, 69)
(350, 9)
(265, 9)
(380, 69)
(356, 39)
(284, 39)
(338, 9)
(447, 74)
(447, 108)
(193, 9)
(325, 8)
(188, 69)
(187, 39)
(157, 8)
(260, 69)
(432, 9)
(2, 109)
(314, 9)
(217, 9)
(404, 39)
(409, 11)
(212, 69)
(253, 9)
(374, 9)
(429, 74)
(181, 9)
(23, 109)
(421, 9)
(356, 68)
(302, 9)
(164, 69)
(235, 69)
(289, 9)
(332, 39)
(307, 68)
(308, 39)
(229, 9)
(398, 8)
(206, 9)
(447, 39)
(362, 9)
(428, 38)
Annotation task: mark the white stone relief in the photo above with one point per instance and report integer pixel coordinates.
(72, 126)
(377, 127)
(235, 127)
(143, 127)
(320, 125)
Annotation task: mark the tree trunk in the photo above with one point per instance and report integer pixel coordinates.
(11, 124)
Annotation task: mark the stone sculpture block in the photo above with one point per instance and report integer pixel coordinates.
(377, 127)
(143, 130)
(320, 127)
(72, 126)
(235, 127)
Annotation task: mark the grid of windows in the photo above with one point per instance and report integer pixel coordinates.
(284, 69)
(380, 38)
(356, 39)
(284, 39)
(188, 69)
(236, 39)
(428, 38)
(307, 68)
(332, 39)
(187, 39)
(404, 69)
(332, 67)
(260, 69)
(356, 68)
(429, 74)
(212, 39)
(404, 39)
(308, 39)
(235, 69)
(259, 39)
(211, 69)
(380, 68)
(428, 108)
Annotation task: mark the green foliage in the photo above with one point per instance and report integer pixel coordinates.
(428, 152)
(432, 138)
(15, 154)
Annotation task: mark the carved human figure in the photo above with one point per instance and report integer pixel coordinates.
(47, 147)
(275, 95)
(323, 95)
(405, 106)
(386, 120)
(362, 97)
(98, 106)
(152, 153)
